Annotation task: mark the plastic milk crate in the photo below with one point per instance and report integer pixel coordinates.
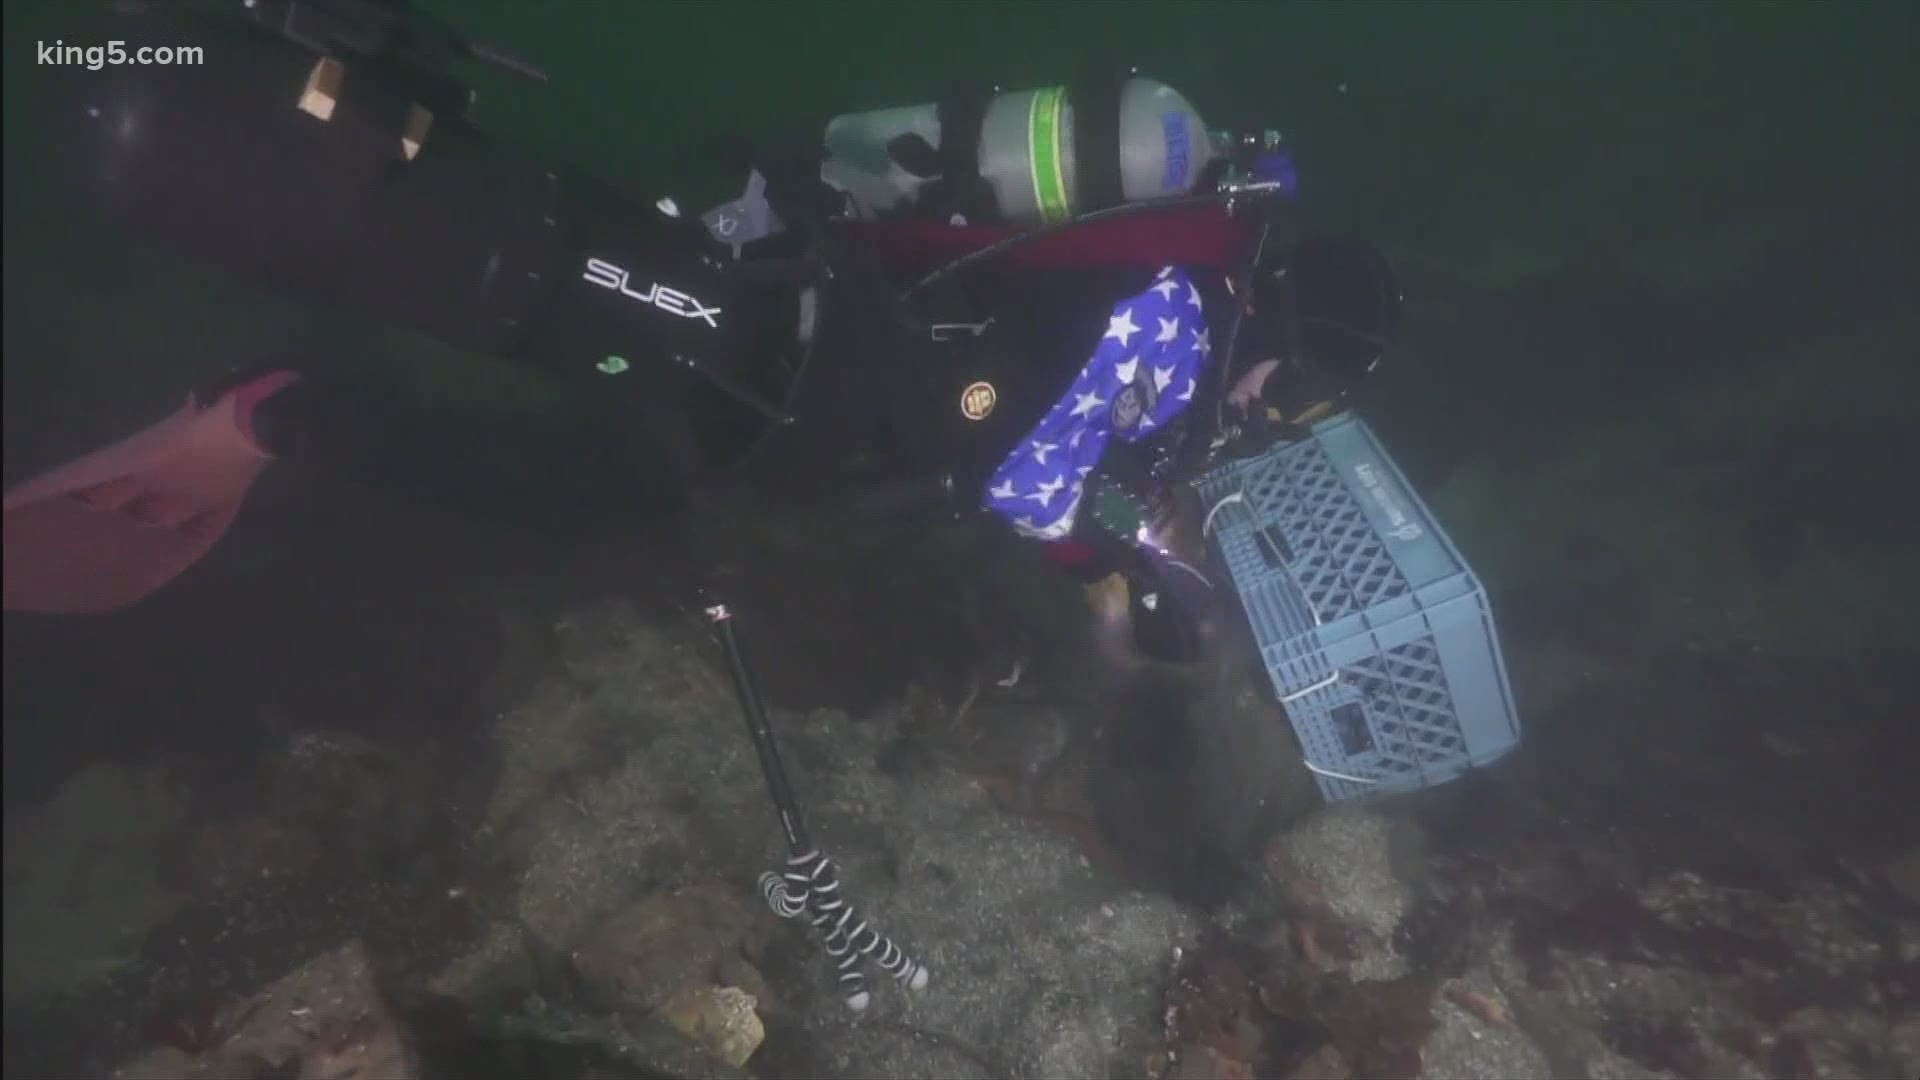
(1377, 636)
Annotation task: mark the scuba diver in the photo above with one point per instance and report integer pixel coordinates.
(1097, 478)
(1071, 275)
(1063, 287)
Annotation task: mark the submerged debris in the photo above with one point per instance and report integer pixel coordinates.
(326, 1019)
(721, 1018)
(84, 881)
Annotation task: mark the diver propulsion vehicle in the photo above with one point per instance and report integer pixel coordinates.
(323, 150)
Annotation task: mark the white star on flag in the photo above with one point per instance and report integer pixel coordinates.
(1164, 273)
(1047, 490)
(1042, 484)
(1054, 531)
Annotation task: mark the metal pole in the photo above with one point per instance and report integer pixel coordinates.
(784, 804)
(809, 884)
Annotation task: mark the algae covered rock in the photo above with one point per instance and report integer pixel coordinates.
(634, 869)
(82, 878)
(327, 1018)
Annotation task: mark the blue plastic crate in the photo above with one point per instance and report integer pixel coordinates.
(1376, 634)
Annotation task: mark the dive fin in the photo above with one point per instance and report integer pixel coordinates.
(104, 531)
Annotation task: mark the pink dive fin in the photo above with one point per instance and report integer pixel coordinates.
(105, 531)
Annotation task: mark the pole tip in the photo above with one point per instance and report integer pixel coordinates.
(918, 981)
(859, 1001)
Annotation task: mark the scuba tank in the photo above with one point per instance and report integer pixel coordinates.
(1027, 157)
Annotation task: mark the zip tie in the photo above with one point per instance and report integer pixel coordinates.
(1207, 525)
(1177, 563)
(1312, 768)
(1321, 685)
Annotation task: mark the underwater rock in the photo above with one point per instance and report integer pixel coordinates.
(1475, 1034)
(228, 859)
(1248, 780)
(1326, 1063)
(1488, 1007)
(83, 878)
(1019, 742)
(1041, 964)
(327, 1018)
(721, 1018)
(1256, 1005)
(1903, 874)
(635, 862)
(1214, 1020)
(1336, 872)
(1688, 975)
(674, 943)
(1904, 1040)
(1205, 1063)
(363, 801)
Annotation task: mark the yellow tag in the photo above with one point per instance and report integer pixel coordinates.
(322, 91)
(977, 401)
(419, 120)
(1319, 410)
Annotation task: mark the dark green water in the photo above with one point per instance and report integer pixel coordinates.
(1660, 362)
(1494, 143)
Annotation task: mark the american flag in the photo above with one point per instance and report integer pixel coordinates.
(1141, 375)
